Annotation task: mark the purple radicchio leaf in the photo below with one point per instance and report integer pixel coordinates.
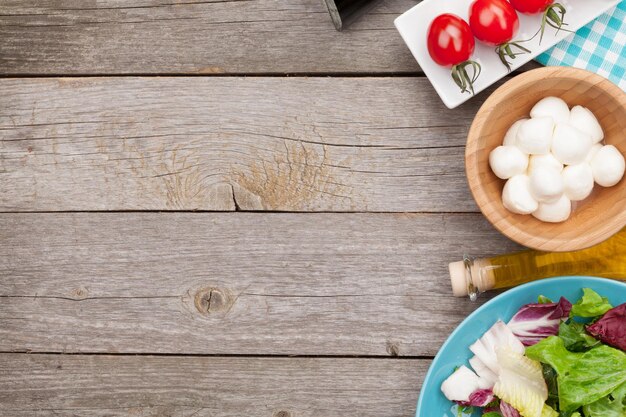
(491, 410)
(493, 406)
(611, 328)
(507, 410)
(534, 322)
(478, 398)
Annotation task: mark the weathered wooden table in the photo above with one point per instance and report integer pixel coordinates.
(223, 208)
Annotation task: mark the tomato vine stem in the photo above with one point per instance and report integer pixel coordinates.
(553, 16)
(505, 51)
(462, 78)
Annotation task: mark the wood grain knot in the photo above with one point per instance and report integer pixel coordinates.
(79, 293)
(213, 300)
(392, 348)
(282, 413)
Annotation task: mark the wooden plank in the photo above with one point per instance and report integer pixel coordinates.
(234, 283)
(189, 143)
(85, 385)
(192, 36)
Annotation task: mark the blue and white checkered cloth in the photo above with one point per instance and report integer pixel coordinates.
(599, 47)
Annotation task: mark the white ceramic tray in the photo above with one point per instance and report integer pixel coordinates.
(413, 26)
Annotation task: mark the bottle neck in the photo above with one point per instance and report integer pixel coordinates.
(479, 276)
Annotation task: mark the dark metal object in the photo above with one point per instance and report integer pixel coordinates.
(344, 12)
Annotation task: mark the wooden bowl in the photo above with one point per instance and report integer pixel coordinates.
(594, 219)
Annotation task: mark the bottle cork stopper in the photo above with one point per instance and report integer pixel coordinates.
(458, 278)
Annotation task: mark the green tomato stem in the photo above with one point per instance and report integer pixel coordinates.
(506, 50)
(554, 17)
(462, 78)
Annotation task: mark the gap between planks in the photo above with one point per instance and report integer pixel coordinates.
(219, 355)
(223, 75)
(239, 210)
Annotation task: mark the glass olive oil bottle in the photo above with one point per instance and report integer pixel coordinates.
(473, 276)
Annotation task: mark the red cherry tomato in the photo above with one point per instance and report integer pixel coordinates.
(451, 44)
(450, 40)
(531, 6)
(493, 21)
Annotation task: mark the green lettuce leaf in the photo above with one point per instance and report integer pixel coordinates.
(591, 304)
(548, 411)
(542, 299)
(584, 377)
(549, 374)
(575, 337)
(613, 405)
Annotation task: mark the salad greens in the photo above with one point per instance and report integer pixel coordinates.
(591, 304)
(611, 328)
(534, 322)
(520, 383)
(573, 363)
(549, 375)
(542, 299)
(583, 377)
(613, 405)
(575, 337)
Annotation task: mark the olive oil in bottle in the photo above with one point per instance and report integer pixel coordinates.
(473, 276)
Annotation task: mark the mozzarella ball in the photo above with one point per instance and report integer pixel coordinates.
(510, 138)
(584, 120)
(552, 107)
(569, 145)
(592, 152)
(608, 166)
(546, 160)
(556, 212)
(535, 135)
(546, 184)
(577, 181)
(507, 161)
(516, 195)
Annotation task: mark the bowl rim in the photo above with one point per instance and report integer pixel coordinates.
(518, 234)
(512, 292)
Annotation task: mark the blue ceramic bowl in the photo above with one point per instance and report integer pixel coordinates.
(455, 351)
